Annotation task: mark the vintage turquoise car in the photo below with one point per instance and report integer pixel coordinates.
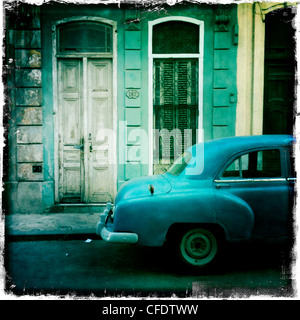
(224, 190)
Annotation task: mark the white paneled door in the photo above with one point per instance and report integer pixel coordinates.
(84, 130)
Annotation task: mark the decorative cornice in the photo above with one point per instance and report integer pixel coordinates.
(222, 18)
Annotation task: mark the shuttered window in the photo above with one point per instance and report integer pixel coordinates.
(175, 87)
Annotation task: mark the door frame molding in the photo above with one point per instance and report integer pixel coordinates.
(152, 56)
(83, 56)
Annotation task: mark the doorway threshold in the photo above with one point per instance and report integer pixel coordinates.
(76, 208)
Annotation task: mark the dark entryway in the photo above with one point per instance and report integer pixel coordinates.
(279, 83)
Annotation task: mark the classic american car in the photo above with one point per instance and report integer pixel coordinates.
(224, 190)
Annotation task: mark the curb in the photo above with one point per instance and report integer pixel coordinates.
(62, 226)
(51, 237)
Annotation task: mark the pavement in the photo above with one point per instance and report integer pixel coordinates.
(51, 225)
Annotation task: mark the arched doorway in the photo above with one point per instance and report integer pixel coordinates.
(83, 66)
(279, 81)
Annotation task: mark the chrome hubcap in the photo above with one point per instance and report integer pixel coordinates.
(198, 247)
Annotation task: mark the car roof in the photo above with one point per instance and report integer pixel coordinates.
(219, 150)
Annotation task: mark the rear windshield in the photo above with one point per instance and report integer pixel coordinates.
(180, 164)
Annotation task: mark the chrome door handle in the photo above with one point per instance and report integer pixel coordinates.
(222, 185)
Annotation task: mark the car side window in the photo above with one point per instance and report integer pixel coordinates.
(256, 164)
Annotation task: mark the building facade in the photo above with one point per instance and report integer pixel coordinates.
(99, 94)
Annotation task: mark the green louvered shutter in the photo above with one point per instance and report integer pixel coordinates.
(175, 107)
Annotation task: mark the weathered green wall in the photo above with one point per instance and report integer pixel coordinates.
(34, 99)
(24, 96)
(219, 72)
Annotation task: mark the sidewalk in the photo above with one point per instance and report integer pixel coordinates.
(52, 225)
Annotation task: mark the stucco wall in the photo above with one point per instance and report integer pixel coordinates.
(24, 87)
(32, 135)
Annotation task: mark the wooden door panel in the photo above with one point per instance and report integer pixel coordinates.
(100, 115)
(70, 164)
(100, 120)
(71, 121)
(72, 180)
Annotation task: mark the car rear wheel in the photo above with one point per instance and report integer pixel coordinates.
(198, 247)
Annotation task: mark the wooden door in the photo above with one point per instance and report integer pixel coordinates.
(85, 118)
(70, 136)
(99, 130)
(279, 90)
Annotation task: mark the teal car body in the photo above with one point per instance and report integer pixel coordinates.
(240, 188)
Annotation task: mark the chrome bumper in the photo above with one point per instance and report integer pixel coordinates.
(109, 236)
(118, 237)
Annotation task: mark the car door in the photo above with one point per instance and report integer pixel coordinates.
(258, 177)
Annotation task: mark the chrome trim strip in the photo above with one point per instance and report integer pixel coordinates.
(251, 180)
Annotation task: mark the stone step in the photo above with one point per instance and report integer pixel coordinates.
(77, 208)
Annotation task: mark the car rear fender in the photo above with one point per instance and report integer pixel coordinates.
(235, 216)
(152, 217)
